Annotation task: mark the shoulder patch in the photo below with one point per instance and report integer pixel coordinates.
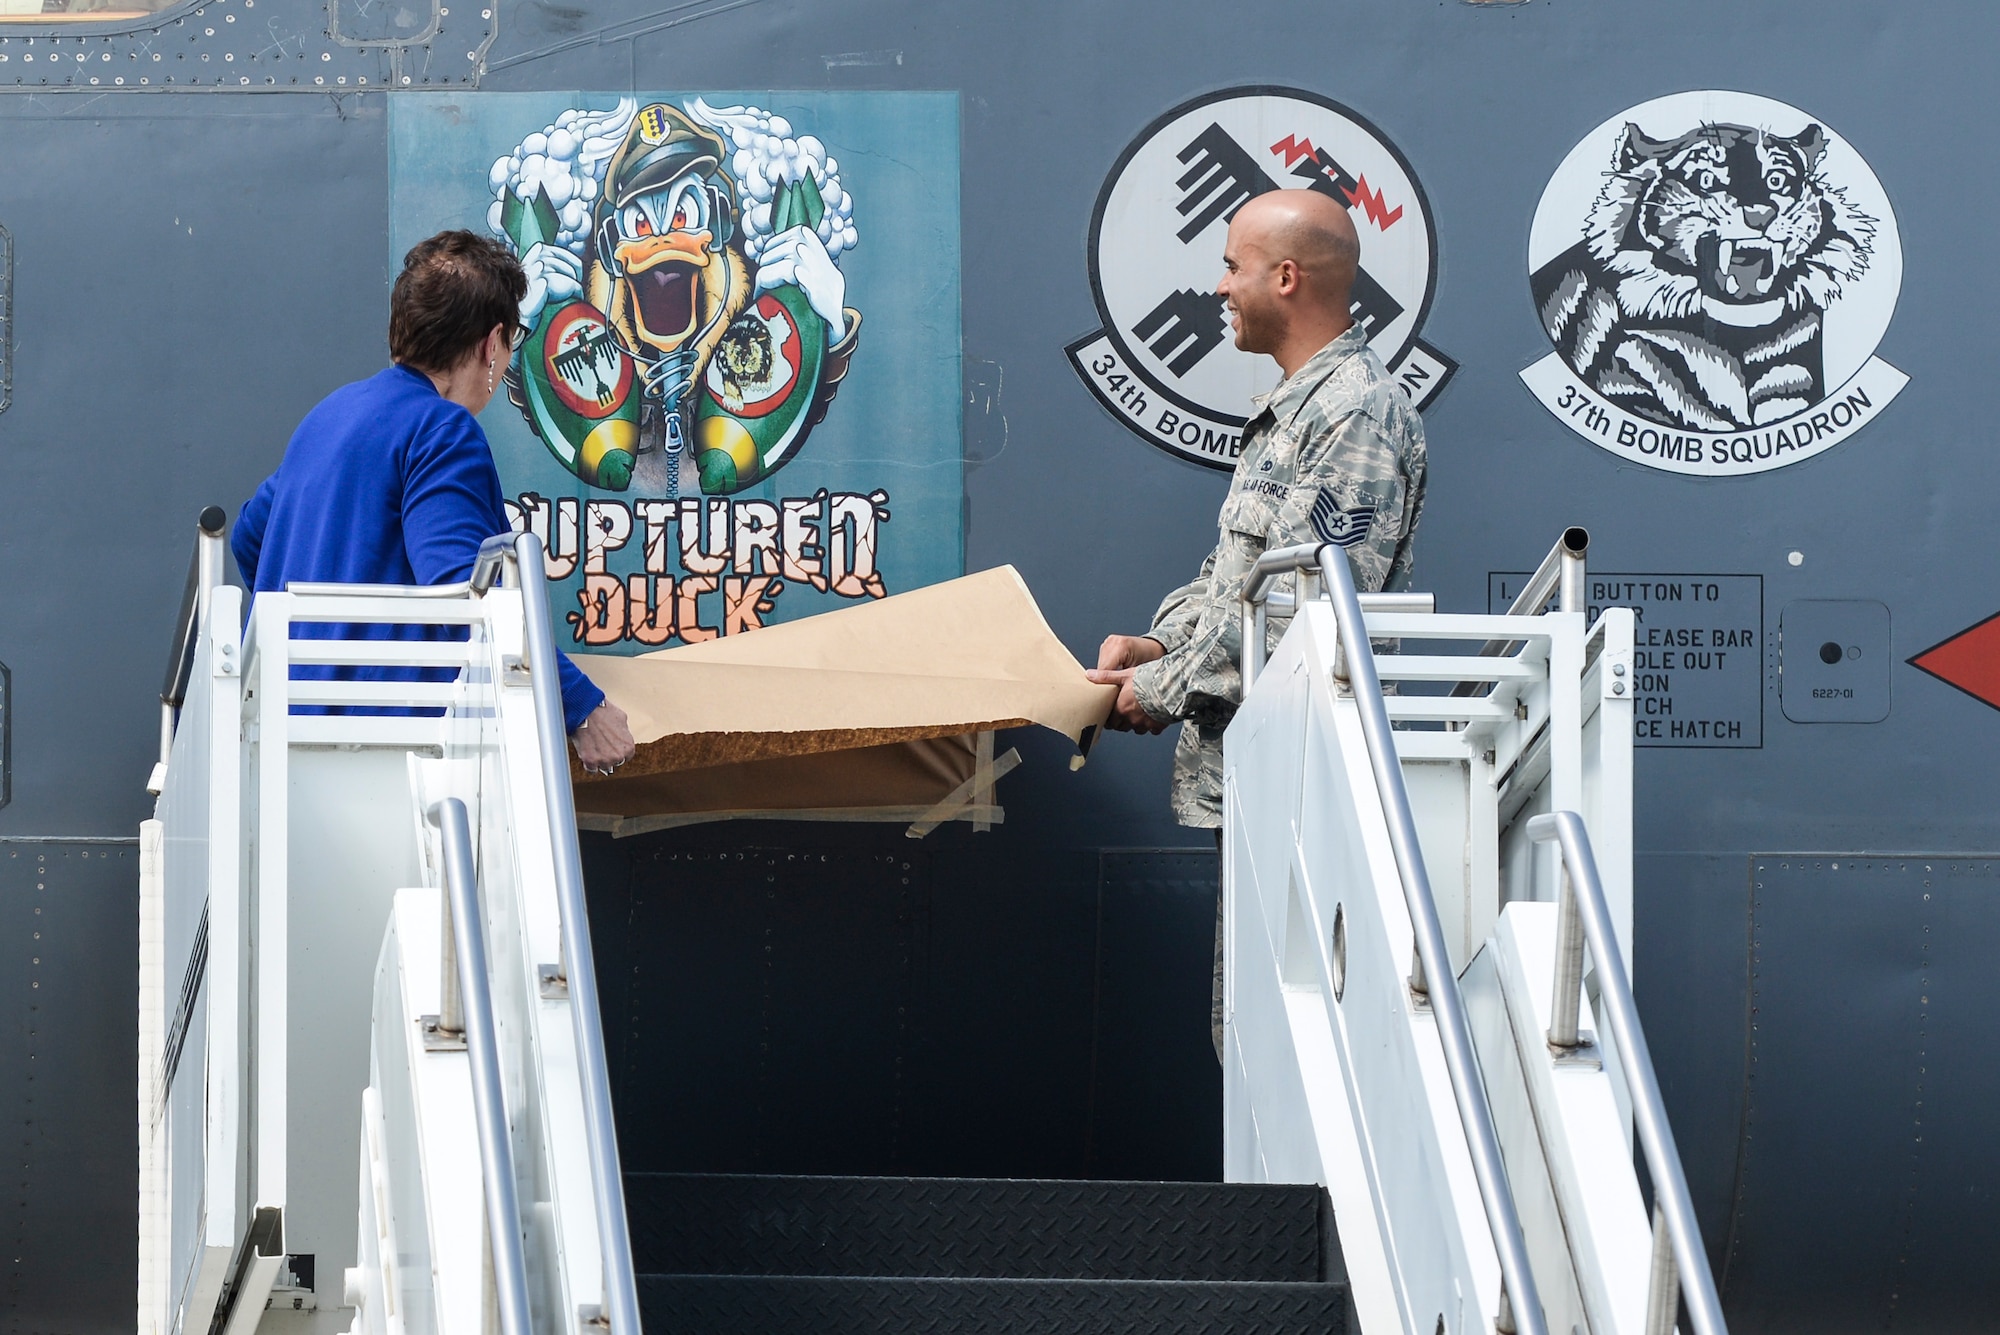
(1342, 528)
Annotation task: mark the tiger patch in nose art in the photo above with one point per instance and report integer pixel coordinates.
(1696, 285)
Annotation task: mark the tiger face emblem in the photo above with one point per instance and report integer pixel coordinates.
(1697, 295)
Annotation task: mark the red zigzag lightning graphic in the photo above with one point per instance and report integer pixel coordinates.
(1293, 148)
(1372, 204)
(1368, 201)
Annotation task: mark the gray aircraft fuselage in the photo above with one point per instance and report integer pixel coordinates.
(201, 209)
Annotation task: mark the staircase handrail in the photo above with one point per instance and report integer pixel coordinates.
(1562, 574)
(621, 1287)
(204, 573)
(1259, 598)
(1520, 1302)
(465, 971)
(1679, 1259)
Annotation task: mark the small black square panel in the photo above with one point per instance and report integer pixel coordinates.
(1833, 660)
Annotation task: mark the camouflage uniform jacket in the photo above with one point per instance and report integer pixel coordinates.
(1334, 454)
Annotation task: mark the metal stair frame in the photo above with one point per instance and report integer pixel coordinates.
(1334, 1069)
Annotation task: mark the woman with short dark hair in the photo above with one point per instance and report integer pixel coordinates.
(390, 480)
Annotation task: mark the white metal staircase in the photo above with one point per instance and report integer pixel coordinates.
(369, 912)
(363, 934)
(1405, 950)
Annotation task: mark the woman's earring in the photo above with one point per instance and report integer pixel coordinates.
(489, 375)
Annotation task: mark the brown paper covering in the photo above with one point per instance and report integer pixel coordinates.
(873, 705)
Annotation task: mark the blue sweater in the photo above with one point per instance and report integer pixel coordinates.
(385, 482)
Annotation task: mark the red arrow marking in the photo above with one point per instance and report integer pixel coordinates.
(1969, 660)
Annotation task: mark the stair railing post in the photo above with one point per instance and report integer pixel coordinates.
(1663, 1290)
(1253, 644)
(482, 1045)
(1563, 1012)
(1685, 1263)
(451, 1000)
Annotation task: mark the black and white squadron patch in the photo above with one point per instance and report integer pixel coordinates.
(1715, 270)
(1342, 528)
(1162, 360)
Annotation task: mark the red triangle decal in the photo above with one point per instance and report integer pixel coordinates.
(1969, 660)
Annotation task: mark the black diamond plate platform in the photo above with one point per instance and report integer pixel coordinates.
(727, 1224)
(746, 1305)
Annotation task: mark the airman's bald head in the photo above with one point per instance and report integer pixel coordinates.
(1309, 229)
(1288, 272)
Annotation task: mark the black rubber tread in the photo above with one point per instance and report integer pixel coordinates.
(730, 1224)
(758, 1305)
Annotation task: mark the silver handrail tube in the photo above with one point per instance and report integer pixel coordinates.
(1475, 1114)
(1561, 573)
(1259, 598)
(1521, 1304)
(621, 1288)
(1674, 1207)
(204, 573)
(482, 1046)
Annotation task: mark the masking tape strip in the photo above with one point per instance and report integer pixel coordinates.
(981, 781)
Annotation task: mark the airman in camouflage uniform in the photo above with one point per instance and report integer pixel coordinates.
(1334, 454)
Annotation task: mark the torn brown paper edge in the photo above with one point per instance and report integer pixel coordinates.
(879, 711)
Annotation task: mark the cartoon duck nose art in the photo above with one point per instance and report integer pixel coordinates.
(689, 312)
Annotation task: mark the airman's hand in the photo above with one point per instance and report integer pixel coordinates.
(1126, 713)
(1128, 651)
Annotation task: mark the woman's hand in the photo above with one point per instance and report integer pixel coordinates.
(603, 741)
